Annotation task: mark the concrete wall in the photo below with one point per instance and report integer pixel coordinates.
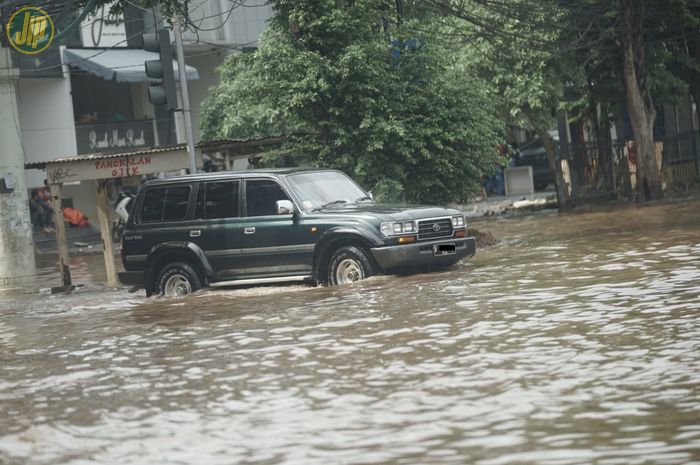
(199, 90)
(17, 269)
(246, 23)
(241, 28)
(83, 196)
(205, 14)
(46, 121)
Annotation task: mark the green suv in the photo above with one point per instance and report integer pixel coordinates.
(266, 226)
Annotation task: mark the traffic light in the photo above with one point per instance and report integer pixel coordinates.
(163, 91)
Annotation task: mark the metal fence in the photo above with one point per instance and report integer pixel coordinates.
(595, 177)
(680, 147)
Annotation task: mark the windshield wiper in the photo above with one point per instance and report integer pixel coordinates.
(363, 198)
(335, 202)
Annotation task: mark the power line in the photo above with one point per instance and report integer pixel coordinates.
(92, 56)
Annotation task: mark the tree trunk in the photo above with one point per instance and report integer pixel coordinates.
(640, 107)
(551, 151)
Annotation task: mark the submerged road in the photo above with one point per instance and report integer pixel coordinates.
(575, 340)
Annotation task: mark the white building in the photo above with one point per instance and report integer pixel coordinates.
(88, 94)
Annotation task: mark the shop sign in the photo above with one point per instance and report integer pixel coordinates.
(116, 166)
(101, 28)
(119, 136)
(30, 30)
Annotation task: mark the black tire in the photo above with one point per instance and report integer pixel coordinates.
(177, 279)
(348, 264)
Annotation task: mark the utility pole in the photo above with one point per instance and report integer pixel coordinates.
(17, 266)
(177, 32)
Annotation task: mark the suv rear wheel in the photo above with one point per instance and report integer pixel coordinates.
(177, 279)
(348, 264)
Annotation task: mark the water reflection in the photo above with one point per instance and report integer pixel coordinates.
(575, 340)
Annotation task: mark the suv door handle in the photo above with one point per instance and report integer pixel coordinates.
(250, 230)
(195, 233)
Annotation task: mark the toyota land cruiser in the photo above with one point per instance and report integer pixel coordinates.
(265, 226)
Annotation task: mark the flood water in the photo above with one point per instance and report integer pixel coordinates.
(575, 340)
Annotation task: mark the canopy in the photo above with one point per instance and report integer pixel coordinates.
(120, 64)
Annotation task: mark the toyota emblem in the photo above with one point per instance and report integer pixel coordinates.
(436, 227)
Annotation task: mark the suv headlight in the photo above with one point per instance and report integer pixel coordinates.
(459, 222)
(396, 228)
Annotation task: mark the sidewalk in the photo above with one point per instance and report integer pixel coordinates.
(502, 204)
(80, 240)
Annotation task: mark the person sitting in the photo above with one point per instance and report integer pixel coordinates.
(41, 213)
(75, 217)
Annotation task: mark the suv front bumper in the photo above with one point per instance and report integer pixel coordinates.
(422, 254)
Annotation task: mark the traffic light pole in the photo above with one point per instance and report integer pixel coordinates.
(177, 32)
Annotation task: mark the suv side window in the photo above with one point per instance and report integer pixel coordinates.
(261, 195)
(153, 204)
(217, 200)
(177, 199)
(165, 204)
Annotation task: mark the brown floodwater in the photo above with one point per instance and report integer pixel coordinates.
(575, 340)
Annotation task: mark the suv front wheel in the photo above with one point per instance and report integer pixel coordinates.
(347, 265)
(177, 279)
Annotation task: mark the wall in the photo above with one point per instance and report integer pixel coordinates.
(84, 199)
(46, 121)
(247, 22)
(199, 89)
(236, 24)
(206, 16)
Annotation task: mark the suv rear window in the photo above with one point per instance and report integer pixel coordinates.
(165, 204)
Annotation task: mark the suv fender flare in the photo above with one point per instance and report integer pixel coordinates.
(332, 236)
(190, 249)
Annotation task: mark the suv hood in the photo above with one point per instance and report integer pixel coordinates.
(391, 212)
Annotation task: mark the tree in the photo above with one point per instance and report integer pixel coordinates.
(503, 44)
(640, 105)
(631, 35)
(362, 93)
(680, 36)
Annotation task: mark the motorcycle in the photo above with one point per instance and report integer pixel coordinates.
(122, 208)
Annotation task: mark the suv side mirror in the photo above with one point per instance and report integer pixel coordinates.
(284, 207)
(371, 195)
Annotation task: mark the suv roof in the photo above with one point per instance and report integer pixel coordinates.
(225, 174)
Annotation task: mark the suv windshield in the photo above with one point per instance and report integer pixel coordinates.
(325, 188)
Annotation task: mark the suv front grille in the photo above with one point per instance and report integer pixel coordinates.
(427, 228)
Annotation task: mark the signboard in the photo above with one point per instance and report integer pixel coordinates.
(100, 28)
(44, 64)
(81, 169)
(117, 136)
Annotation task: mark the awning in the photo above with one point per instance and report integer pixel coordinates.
(120, 64)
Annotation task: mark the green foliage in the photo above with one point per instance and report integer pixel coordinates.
(506, 43)
(388, 191)
(379, 103)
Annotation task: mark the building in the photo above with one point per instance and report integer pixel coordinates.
(88, 92)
